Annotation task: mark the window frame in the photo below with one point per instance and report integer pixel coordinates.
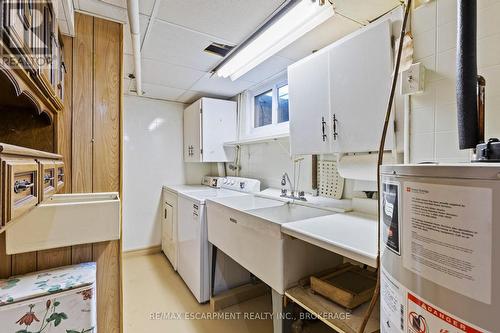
(274, 128)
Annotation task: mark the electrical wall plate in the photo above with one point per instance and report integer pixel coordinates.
(413, 79)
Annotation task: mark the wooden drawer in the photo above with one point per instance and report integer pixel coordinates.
(48, 179)
(20, 179)
(59, 176)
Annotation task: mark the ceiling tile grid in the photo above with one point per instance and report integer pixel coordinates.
(174, 64)
(179, 46)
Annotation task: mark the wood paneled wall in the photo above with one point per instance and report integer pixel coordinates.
(89, 138)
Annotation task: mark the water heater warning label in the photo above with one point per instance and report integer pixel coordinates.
(447, 236)
(423, 317)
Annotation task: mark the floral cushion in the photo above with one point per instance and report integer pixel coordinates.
(33, 285)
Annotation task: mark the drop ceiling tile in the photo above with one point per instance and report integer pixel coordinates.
(165, 74)
(103, 9)
(227, 19)
(180, 46)
(191, 96)
(161, 92)
(127, 40)
(153, 90)
(119, 3)
(145, 6)
(267, 69)
(323, 35)
(364, 11)
(212, 84)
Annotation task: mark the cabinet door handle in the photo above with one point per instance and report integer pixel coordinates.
(335, 133)
(323, 125)
(47, 178)
(21, 186)
(233, 220)
(165, 214)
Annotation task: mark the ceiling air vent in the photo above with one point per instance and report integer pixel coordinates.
(219, 49)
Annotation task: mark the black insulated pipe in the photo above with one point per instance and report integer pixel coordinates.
(467, 106)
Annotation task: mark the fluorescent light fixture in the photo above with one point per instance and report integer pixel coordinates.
(295, 23)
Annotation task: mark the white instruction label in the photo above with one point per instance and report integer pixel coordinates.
(447, 236)
(423, 317)
(392, 304)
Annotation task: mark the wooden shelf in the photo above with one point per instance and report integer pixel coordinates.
(333, 314)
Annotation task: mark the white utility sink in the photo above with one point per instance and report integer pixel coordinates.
(248, 202)
(248, 229)
(288, 213)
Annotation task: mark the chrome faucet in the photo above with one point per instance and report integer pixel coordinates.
(284, 193)
(286, 178)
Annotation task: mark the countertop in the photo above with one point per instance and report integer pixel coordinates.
(353, 235)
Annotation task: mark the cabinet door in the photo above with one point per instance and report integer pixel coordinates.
(218, 127)
(309, 100)
(192, 135)
(360, 69)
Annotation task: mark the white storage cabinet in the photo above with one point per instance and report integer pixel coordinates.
(208, 124)
(338, 95)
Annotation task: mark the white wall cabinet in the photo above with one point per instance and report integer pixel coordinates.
(309, 100)
(338, 95)
(208, 124)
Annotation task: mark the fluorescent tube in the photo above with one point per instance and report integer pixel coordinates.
(295, 23)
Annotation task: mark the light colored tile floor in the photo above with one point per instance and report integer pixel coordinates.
(150, 285)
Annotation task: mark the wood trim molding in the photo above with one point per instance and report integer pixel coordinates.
(20, 89)
(142, 252)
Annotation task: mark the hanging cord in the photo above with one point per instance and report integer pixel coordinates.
(380, 161)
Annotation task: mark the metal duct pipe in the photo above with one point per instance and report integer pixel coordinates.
(467, 106)
(133, 19)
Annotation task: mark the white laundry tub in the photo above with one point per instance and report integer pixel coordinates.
(61, 300)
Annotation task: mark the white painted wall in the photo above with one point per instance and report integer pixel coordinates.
(434, 133)
(153, 157)
(268, 161)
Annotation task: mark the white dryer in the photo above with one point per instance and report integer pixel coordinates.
(169, 214)
(194, 250)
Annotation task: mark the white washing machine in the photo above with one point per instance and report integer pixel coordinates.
(194, 250)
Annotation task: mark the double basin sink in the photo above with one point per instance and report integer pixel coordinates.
(248, 229)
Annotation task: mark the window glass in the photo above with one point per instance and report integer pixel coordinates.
(283, 104)
(263, 113)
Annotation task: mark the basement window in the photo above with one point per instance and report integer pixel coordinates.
(283, 103)
(263, 109)
(266, 109)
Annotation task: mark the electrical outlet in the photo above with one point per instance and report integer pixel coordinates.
(412, 79)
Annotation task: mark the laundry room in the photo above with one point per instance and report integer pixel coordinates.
(280, 166)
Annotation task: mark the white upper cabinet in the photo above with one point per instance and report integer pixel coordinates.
(208, 124)
(309, 102)
(350, 92)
